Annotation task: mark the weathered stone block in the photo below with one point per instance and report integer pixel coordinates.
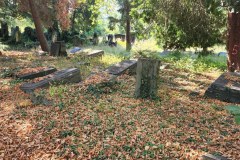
(71, 75)
(41, 73)
(121, 67)
(225, 88)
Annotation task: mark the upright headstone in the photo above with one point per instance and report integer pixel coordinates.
(4, 30)
(15, 34)
(58, 48)
(147, 78)
(95, 38)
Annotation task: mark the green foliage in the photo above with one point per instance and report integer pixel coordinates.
(85, 17)
(7, 73)
(145, 54)
(234, 110)
(237, 119)
(57, 91)
(200, 64)
(102, 88)
(233, 5)
(184, 23)
(66, 133)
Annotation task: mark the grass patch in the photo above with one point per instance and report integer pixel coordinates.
(196, 64)
(235, 111)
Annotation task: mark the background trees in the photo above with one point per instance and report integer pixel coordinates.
(184, 23)
(175, 24)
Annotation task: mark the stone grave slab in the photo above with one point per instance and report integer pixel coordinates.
(222, 54)
(71, 75)
(121, 67)
(58, 48)
(75, 50)
(41, 73)
(225, 88)
(96, 53)
(212, 157)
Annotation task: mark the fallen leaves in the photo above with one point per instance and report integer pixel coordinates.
(24, 103)
(115, 125)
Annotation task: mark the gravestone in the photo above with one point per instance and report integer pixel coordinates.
(111, 42)
(120, 36)
(58, 48)
(41, 73)
(4, 30)
(120, 68)
(96, 53)
(222, 54)
(15, 34)
(95, 38)
(30, 33)
(71, 75)
(212, 157)
(75, 50)
(147, 78)
(225, 88)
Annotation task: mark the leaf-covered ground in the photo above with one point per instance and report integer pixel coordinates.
(95, 120)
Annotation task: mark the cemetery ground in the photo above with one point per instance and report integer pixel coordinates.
(95, 119)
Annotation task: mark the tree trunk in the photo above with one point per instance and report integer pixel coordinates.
(128, 26)
(233, 42)
(147, 78)
(73, 21)
(38, 26)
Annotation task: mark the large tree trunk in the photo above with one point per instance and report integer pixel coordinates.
(128, 26)
(38, 26)
(233, 42)
(147, 78)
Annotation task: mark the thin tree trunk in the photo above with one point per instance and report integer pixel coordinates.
(38, 26)
(128, 26)
(73, 21)
(233, 42)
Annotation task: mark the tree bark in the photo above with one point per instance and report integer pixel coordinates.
(233, 42)
(38, 26)
(73, 21)
(128, 26)
(147, 78)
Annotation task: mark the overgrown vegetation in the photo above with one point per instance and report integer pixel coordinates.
(196, 63)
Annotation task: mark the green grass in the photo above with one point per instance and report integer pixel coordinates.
(235, 111)
(198, 64)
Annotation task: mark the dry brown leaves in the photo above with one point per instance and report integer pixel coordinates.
(116, 125)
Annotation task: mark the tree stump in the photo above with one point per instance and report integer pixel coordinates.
(147, 78)
(58, 48)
